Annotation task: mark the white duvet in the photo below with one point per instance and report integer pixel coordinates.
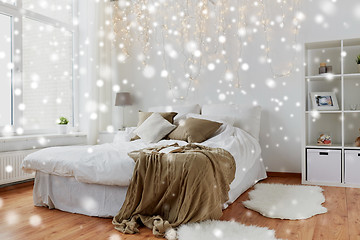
(109, 164)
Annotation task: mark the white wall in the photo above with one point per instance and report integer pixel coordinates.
(281, 123)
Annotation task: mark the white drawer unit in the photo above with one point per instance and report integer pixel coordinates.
(323, 165)
(352, 167)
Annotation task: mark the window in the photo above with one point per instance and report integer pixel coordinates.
(61, 10)
(5, 70)
(9, 1)
(47, 74)
(37, 42)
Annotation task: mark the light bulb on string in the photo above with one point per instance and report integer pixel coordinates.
(179, 22)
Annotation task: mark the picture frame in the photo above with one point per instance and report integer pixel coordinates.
(324, 101)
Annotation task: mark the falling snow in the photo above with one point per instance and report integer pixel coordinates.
(35, 220)
(217, 56)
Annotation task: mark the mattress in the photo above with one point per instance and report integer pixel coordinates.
(68, 194)
(109, 164)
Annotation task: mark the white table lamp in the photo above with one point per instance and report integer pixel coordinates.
(123, 99)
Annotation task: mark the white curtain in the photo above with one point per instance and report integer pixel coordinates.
(95, 67)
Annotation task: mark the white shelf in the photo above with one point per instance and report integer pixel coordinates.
(333, 146)
(331, 184)
(351, 111)
(351, 146)
(351, 75)
(341, 124)
(330, 75)
(316, 111)
(325, 76)
(323, 45)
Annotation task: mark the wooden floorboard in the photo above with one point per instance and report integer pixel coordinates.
(353, 209)
(19, 218)
(333, 224)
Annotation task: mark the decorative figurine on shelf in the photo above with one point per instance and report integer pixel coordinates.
(358, 61)
(324, 139)
(328, 69)
(357, 141)
(322, 68)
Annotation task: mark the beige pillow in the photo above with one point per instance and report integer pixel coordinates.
(195, 130)
(154, 128)
(169, 116)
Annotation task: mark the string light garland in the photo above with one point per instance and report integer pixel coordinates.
(143, 24)
(197, 33)
(121, 26)
(266, 26)
(240, 21)
(189, 38)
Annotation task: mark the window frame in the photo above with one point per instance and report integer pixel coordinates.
(16, 11)
(12, 60)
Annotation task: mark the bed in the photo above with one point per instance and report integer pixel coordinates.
(81, 179)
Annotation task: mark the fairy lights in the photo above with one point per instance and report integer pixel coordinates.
(200, 35)
(121, 27)
(267, 27)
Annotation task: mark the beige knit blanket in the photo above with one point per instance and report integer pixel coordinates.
(190, 184)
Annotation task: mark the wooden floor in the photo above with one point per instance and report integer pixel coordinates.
(19, 219)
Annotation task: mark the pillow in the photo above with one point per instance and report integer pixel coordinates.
(124, 136)
(154, 128)
(144, 115)
(246, 117)
(169, 116)
(195, 130)
(182, 110)
(222, 119)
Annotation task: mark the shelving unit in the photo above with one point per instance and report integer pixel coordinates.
(342, 124)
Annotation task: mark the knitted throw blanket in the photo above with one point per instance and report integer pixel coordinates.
(189, 184)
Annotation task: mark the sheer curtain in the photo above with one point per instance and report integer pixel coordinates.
(95, 67)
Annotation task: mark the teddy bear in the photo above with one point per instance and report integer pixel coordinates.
(357, 141)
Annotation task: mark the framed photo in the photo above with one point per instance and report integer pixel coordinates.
(324, 101)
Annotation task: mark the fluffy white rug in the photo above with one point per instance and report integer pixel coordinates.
(286, 201)
(216, 230)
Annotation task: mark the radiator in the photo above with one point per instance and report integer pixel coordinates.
(10, 166)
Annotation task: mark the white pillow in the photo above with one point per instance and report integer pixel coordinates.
(246, 117)
(154, 128)
(222, 119)
(182, 110)
(124, 136)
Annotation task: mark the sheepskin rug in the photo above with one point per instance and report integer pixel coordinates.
(216, 230)
(286, 201)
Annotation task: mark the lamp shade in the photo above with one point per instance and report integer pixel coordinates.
(122, 99)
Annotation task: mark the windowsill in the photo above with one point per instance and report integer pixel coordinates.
(106, 132)
(36, 136)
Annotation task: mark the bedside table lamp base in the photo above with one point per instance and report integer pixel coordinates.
(122, 125)
(123, 99)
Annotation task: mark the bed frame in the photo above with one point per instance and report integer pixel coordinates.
(68, 194)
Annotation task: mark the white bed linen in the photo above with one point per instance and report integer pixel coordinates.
(68, 194)
(109, 164)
